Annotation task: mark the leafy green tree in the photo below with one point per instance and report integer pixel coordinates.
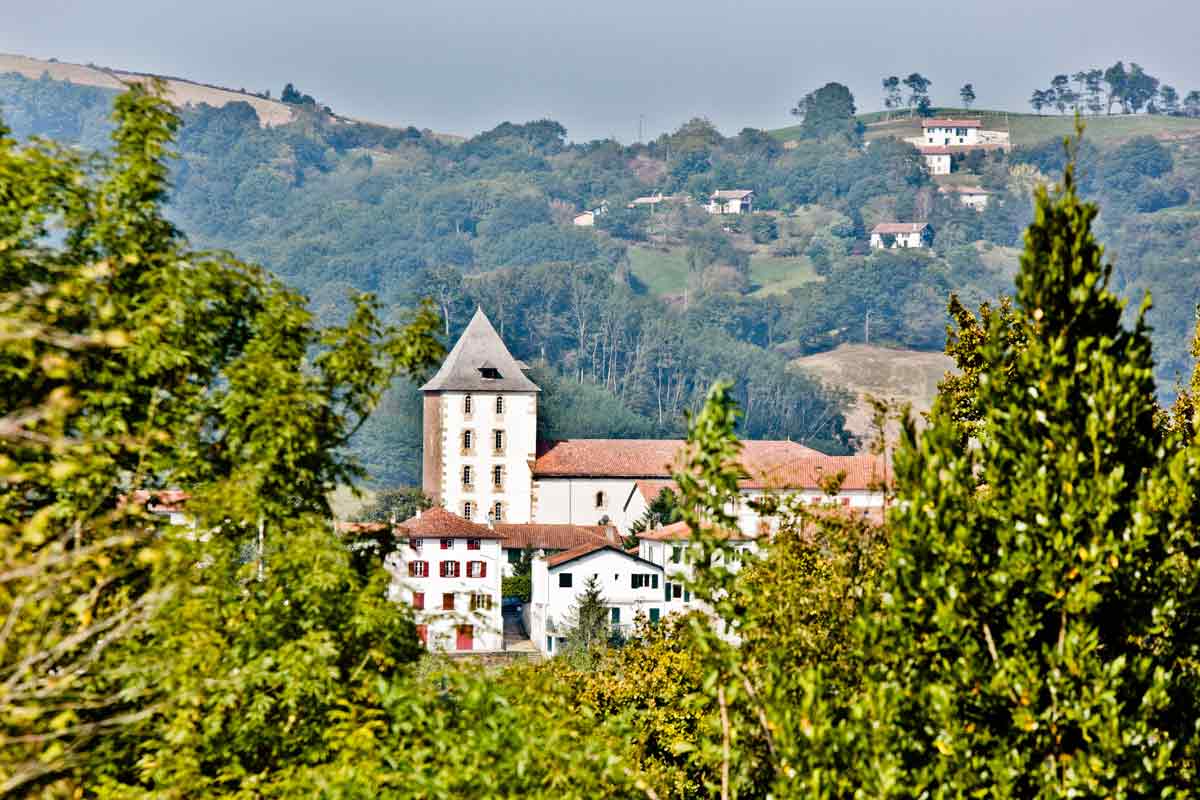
(892, 96)
(662, 510)
(1140, 88)
(1060, 90)
(1117, 79)
(967, 95)
(764, 229)
(131, 366)
(1040, 99)
(1168, 100)
(395, 505)
(827, 112)
(1191, 103)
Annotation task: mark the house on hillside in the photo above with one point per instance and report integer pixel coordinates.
(891, 235)
(975, 197)
(585, 220)
(448, 569)
(937, 158)
(549, 539)
(629, 584)
(947, 132)
(731, 201)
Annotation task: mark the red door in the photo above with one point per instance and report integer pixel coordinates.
(466, 635)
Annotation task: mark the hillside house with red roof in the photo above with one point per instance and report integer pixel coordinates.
(891, 235)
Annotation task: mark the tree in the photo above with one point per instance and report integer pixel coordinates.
(1168, 100)
(133, 365)
(892, 98)
(1094, 89)
(1191, 103)
(662, 510)
(1040, 99)
(967, 95)
(827, 112)
(588, 620)
(395, 505)
(918, 87)
(1117, 80)
(1060, 91)
(1140, 88)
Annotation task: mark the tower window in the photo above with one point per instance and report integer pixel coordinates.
(497, 511)
(497, 476)
(467, 440)
(499, 435)
(600, 499)
(467, 475)
(467, 404)
(468, 510)
(499, 404)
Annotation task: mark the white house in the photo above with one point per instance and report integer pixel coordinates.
(951, 131)
(731, 201)
(890, 235)
(975, 197)
(628, 584)
(548, 539)
(937, 158)
(448, 571)
(585, 220)
(670, 548)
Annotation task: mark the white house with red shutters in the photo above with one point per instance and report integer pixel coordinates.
(447, 569)
(629, 585)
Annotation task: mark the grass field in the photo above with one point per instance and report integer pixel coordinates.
(1027, 129)
(665, 272)
(905, 376)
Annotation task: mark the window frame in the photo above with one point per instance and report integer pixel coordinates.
(474, 544)
(446, 544)
(448, 601)
(476, 569)
(468, 510)
(467, 405)
(498, 440)
(449, 568)
(418, 569)
(565, 580)
(499, 405)
(418, 601)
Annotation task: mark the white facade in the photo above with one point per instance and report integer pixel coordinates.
(906, 239)
(629, 586)
(937, 163)
(731, 201)
(588, 501)
(951, 132)
(585, 220)
(455, 609)
(469, 438)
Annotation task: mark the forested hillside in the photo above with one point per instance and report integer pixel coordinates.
(630, 321)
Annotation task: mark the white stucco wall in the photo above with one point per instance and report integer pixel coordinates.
(549, 609)
(938, 163)
(519, 423)
(573, 501)
(951, 136)
(488, 633)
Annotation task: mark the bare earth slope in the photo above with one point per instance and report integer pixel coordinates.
(906, 376)
(180, 92)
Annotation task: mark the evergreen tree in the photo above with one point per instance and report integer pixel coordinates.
(967, 95)
(588, 620)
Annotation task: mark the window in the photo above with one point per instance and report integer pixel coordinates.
(467, 476)
(499, 441)
(549, 644)
(497, 476)
(616, 615)
(514, 555)
(418, 569)
(687, 596)
(600, 499)
(447, 544)
(467, 404)
(423, 633)
(676, 554)
(499, 404)
(418, 600)
(481, 602)
(449, 569)
(640, 580)
(489, 373)
(497, 511)
(653, 581)
(466, 440)
(476, 569)
(564, 580)
(415, 544)
(448, 601)
(654, 616)
(676, 590)
(468, 510)
(473, 544)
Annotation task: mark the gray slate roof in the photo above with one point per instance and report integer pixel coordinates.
(479, 346)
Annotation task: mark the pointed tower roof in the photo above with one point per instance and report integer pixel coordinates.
(480, 362)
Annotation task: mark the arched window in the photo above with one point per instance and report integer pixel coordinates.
(497, 476)
(467, 475)
(499, 441)
(467, 440)
(499, 404)
(600, 498)
(467, 404)
(468, 510)
(497, 511)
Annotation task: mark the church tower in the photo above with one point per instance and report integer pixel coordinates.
(480, 437)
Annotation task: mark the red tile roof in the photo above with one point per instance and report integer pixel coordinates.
(862, 472)
(554, 537)
(579, 552)
(645, 458)
(438, 523)
(951, 123)
(681, 531)
(651, 489)
(934, 150)
(900, 227)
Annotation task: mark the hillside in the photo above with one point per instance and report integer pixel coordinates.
(334, 206)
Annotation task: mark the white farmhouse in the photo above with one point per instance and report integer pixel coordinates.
(587, 219)
(975, 197)
(628, 584)
(448, 571)
(670, 547)
(731, 201)
(548, 539)
(890, 235)
(947, 132)
(937, 158)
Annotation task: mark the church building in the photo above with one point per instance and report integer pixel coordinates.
(482, 459)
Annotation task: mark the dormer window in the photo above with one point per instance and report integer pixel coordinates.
(489, 373)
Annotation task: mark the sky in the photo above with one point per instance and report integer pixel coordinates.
(604, 67)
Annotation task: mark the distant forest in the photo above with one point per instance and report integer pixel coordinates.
(333, 206)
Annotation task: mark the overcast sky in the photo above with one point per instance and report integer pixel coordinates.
(461, 66)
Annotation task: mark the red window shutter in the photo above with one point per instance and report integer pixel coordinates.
(448, 601)
(483, 569)
(418, 600)
(423, 633)
(412, 569)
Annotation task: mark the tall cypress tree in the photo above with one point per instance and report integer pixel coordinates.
(1033, 628)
